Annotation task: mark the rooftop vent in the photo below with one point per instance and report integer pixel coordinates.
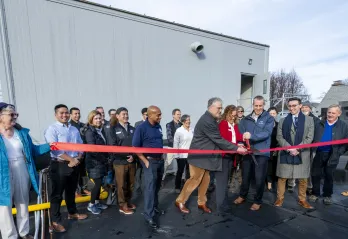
(337, 83)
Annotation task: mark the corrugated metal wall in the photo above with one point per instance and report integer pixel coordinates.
(83, 55)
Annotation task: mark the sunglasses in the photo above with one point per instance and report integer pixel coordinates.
(12, 115)
(239, 111)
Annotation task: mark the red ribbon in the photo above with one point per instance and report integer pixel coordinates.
(123, 149)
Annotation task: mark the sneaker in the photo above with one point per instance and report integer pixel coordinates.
(93, 209)
(126, 211)
(312, 198)
(327, 200)
(101, 206)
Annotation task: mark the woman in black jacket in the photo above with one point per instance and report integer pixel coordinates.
(96, 163)
(272, 165)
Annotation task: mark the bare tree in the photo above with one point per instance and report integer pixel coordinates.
(345, 81)
(285, 82)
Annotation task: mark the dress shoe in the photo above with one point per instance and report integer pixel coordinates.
(278, 202)
(255, 207)
(28, 236)
(57, 228)
(159, 211)
(131, 206)
(239, 200)
(182, 207)
(151, 223)
(204, 208)
(305, 204)
(77, 216)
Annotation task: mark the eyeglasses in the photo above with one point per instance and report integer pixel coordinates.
(292, 106)
(13, 115)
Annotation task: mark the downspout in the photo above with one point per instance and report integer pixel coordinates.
(5, 44)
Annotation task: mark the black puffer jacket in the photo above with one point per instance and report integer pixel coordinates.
(118, 136)
(339, 131)
(96, 163)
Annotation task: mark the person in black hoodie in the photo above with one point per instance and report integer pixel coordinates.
(121, 134)
(272, 164)
(96, 163)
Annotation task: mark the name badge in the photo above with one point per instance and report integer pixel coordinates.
(118, 132)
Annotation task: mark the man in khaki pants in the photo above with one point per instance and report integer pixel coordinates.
(295, 129)
(206, 136)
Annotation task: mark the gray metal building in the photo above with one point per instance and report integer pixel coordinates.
(85, 55)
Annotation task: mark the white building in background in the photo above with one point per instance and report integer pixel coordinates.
(85, 55)
(337, 93)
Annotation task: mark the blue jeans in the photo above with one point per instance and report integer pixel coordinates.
(152, 180)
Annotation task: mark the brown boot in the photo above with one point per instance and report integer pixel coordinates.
(279, 202)
(182, 207)
(305, 204)
(204, 208)
(239, 200)
(125, 210)
(77, 216)
(57, 228)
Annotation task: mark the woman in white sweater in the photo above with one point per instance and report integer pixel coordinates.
(182, 140)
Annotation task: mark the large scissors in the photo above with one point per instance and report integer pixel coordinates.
(251, 151)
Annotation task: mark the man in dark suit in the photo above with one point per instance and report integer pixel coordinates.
(206, 137)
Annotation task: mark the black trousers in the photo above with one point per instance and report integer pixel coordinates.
(320, 167)
(96, 189)
(222, 183)
(272, 170)
(139, 182)
(259, 171)
(81, 174)
(153, 180)
(182, 165)
(63, 179)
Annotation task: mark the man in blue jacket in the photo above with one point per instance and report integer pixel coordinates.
(256, 127)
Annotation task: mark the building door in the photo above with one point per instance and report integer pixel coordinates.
(246, 92)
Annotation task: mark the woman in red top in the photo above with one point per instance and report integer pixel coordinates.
(229, 131)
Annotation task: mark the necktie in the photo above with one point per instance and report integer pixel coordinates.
(296, 122)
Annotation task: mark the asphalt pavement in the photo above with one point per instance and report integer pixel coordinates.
(290, 221)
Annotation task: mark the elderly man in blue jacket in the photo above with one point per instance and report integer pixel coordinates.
(257, 128)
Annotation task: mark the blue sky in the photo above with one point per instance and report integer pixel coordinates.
(310, 36)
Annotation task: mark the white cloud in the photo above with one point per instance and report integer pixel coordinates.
(310, 36)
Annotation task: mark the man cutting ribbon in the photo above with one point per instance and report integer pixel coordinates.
(256, 128)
